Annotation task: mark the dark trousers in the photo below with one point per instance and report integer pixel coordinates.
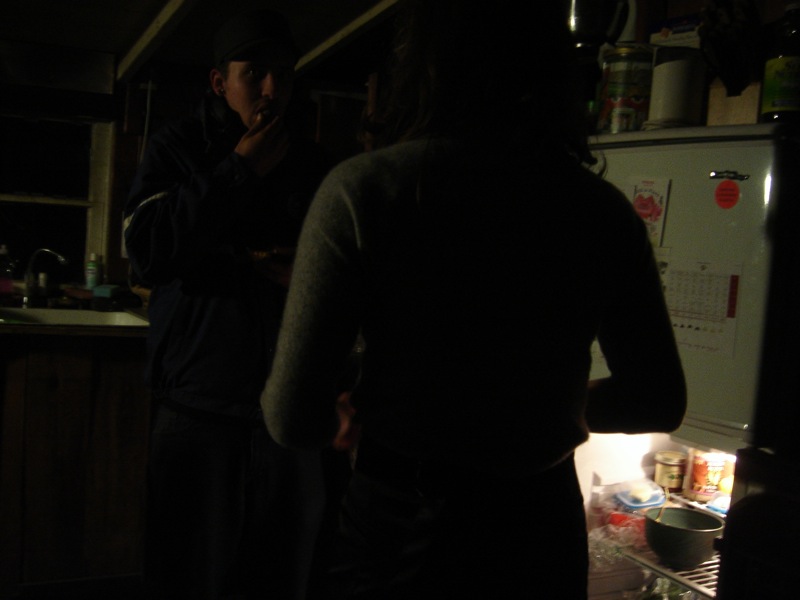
(230, 513)
(422, 531)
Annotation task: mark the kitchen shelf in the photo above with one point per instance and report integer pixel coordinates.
(702, 579)
(42, 199)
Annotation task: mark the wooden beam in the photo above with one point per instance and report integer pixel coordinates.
(38, 102)
(166, 21)
(381, 10)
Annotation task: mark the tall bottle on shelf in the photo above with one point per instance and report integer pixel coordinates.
(92, 272)
(780, 92)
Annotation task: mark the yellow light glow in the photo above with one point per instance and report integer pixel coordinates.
(573, 23)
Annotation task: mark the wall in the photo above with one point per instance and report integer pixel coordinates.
(608, 459)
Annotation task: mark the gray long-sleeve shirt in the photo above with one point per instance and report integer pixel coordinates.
(479, 282)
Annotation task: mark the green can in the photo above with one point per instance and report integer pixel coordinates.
(625, 90)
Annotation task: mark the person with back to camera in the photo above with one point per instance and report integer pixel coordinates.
(211, 222)
(478, 257)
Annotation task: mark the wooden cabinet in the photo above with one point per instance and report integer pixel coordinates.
(72, 470)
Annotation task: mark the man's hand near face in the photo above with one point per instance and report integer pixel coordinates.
(264, 145)
(259, 91)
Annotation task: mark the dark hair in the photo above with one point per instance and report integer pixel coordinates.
(500, 70)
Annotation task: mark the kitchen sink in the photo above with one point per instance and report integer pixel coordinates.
(70, 317)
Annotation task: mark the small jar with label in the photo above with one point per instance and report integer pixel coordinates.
(670, 469)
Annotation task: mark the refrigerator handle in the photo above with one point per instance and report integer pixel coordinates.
(728, 175)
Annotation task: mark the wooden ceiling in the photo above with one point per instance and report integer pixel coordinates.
(139, 33)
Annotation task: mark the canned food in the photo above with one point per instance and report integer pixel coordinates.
(625, 90)
(710, 471)
(670, 470)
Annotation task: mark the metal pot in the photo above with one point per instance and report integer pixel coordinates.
(684, 537)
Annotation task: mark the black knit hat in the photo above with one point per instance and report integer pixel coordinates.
(247, 34)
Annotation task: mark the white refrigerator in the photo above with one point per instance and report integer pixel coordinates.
(722, 207)
(711, 198)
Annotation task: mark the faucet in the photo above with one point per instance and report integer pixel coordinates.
(30, 279)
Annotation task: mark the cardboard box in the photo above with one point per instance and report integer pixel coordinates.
(678, 31)
(733, 110)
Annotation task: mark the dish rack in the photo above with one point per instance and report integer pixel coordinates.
(702, 580)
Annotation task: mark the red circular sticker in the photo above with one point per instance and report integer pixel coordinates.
(727, 194)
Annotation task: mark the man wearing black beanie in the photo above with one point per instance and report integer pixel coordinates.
(210, 225)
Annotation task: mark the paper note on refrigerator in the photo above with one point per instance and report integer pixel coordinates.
(650, 197)
(702, 302)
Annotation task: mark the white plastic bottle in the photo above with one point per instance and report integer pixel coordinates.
(92, 272)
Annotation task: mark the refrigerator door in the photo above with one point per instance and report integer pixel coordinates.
(705, 201)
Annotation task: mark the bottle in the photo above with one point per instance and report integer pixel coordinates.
(92, 271)
(780, 90)
(6, 273)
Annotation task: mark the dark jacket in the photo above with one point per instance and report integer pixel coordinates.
(194, 215)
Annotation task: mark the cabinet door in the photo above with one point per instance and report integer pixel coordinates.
(86, 415)
(12, 386)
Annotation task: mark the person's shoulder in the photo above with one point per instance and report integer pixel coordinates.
(182, 136)
(180, 129)
(588, 184)
(180, 143)
(371, 178)
(376, 163)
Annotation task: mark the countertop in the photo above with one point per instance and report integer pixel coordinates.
(72, 322)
